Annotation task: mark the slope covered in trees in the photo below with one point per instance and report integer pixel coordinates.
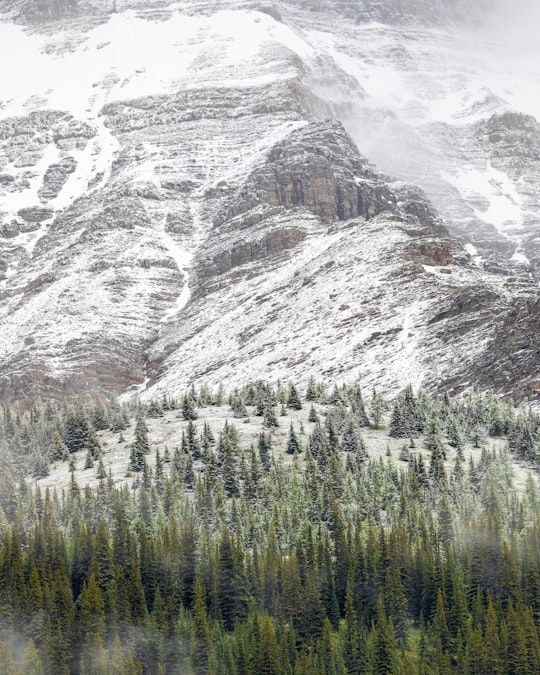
(285, 532)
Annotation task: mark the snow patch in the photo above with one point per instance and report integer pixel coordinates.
(503, 203)
(130, 56)
(473, 252)
(521, 258)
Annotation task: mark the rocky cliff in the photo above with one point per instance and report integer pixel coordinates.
(179, 202)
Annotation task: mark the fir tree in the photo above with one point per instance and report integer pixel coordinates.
(293, 399)
(293, 445)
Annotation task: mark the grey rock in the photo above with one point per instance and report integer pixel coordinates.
(317, 168)
(35, 214)
(10, 230)
(55, 178)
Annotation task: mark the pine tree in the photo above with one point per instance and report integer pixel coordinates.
(377, 410)
(228, 468)
(265, 447)
(154, 409)
(232, 583)
(398, 427)
(358, 408)
(31, 663)
(201, 643)
(384, 642)
(92, 445)
(77, 430)
(293, 399)
(270, 419)
(293, 445)
(58, 450)
(188, 408)
(101, 474)
(91, 627)
(311, 391)
(140, 446)
(193, 446)
(7, 662)
(492, 660)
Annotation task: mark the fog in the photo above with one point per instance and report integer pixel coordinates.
(430, 94)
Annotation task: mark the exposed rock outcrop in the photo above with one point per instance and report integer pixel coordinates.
(509, 363)
(513, 135)
(317, 168)
(55, 178)
(35, 214)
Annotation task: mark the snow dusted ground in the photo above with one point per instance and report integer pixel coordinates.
(165, 434)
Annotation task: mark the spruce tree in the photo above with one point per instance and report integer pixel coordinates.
(140, 446)
(293, 399)
(293, 445)
(188, 408)
(201, 648)
(77, 429)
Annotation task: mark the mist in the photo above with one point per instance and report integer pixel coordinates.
(432, 95)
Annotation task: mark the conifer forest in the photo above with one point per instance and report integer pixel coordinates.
(270, 530)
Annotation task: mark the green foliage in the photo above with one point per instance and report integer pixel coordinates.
(247, 556)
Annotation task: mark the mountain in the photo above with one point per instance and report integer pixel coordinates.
(205, 191)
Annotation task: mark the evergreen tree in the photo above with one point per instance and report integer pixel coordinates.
(140, 446)
(91, 628)
(77, 430)
(293, 399)
(384, 656)
(293, 445)
(377, 409)
(201, 643)
(188, 408)
(265, 447)
(58, 450)
(232, 583)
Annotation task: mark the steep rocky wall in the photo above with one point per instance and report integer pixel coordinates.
(406, 11)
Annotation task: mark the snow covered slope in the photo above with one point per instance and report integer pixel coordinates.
(175, 205)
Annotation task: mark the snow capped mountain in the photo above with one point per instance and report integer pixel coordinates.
(191, 191)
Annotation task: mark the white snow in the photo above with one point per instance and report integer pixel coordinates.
(183, 260)
(521, 258)
(130, 56)
(92, 162)
(503, 202)
(473, 252)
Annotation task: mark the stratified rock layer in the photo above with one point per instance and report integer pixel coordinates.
(198, 213)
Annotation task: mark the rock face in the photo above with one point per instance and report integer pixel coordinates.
(55, 178)
(316, 168)
(422, 11)
(35, 214)
(513, 135)
(393, 11)
(48, 9)
(509, 362)
(197, 212)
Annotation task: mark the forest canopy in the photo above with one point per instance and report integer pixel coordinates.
(283, 531)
